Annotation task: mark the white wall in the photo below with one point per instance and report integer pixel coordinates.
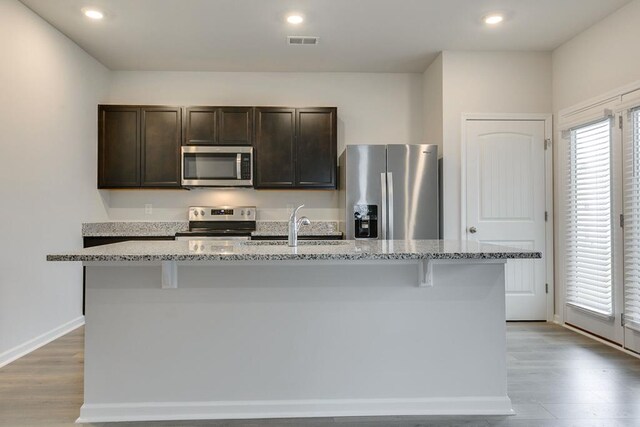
(600, 59)
(432, 104)
(49, 89)
(373, 108)
(485, 82)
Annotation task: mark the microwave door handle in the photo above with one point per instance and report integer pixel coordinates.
(239, 166)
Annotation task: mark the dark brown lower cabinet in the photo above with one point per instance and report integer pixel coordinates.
(295, 148)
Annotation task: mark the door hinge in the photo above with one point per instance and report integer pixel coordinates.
(621, 319)
(622, 220)
(546, 216)
(547, 143)
(620, 121)
(546, 288)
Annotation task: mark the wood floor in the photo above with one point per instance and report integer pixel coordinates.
(557, 378)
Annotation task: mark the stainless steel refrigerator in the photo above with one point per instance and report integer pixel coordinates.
(389, 192)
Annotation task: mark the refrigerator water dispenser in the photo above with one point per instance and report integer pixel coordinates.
(366, 221)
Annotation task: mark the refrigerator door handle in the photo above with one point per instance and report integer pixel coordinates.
(390, 192)
(383, 213)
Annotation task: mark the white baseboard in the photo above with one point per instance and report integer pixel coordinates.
(156, 411)
(556, 319)
(37, 342)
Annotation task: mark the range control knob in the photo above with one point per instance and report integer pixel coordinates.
(196, 213)
(202, 213)
(242, 213)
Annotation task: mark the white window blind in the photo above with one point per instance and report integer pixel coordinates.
(632, 221)
(589, 234)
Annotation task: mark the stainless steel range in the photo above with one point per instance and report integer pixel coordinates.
(220, 223)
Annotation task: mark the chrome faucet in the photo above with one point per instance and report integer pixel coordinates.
(294, 226)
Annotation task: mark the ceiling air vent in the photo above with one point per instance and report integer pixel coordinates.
(302, 40)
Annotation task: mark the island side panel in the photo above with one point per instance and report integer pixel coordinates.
(248, 341)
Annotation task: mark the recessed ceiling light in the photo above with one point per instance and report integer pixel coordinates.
(93, 14)
(493, 19)
(295, 19)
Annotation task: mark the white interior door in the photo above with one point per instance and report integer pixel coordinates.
(505, 203)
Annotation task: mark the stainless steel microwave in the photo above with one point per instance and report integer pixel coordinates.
(217, 166)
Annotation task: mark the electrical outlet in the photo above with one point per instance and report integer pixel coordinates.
(148, 209)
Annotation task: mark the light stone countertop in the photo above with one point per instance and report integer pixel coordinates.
(133, 228)
(281, 228)
(265, 251)
(170, 228)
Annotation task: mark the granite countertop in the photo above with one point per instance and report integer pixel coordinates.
(281, 228)
(196, 250)
(170, 228)
(133, 228)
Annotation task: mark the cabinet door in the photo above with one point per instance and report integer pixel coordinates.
(275, 135)
(118, 146)
(201, 126)
(235, 126)
(161, 137)
(316, 147)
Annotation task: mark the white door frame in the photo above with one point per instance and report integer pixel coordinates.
(548, 162)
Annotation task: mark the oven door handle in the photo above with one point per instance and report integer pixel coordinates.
(212, 238)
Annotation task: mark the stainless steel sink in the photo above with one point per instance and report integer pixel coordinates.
(300, 242)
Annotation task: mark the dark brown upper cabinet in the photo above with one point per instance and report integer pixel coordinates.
(274, 147)
(139, 146)
(118, 146)
(161, 141)
(201, 126)
(316, 148)
(218, 126)
(295, 148)
(235, 126)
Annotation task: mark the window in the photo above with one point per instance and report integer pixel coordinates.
(632, 221)
(589, 222)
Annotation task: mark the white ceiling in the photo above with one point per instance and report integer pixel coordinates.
(355, 35)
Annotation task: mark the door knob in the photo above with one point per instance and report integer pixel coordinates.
(472, 230)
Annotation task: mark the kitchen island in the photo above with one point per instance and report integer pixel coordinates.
(215, 330)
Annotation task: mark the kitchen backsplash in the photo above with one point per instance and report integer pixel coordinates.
(171, 205)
